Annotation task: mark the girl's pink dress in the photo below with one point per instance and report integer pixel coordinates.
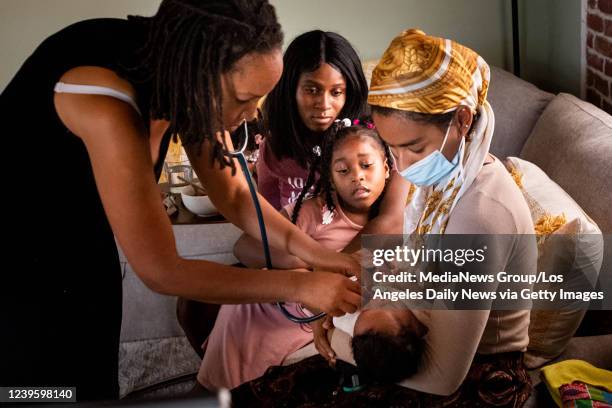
(249, 338)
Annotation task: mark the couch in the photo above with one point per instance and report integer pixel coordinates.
(569, 139)
(155, 358)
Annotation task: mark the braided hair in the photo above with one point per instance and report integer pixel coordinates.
(190, 44)
(323, 187)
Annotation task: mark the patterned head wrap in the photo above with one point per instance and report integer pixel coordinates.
(426, 74)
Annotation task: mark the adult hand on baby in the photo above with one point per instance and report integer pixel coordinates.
(338, 262)
(320, 329)
(365, 257)
(332, 293)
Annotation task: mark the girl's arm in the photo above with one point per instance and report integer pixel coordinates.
(231, 196)
(249, 252)
(118, 148)
(390, 219)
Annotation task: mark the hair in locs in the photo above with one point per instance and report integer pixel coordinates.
(190, 44)
(288, 136)
(322, 165)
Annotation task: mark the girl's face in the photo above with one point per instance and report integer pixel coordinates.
(320, 97)
(359, 170)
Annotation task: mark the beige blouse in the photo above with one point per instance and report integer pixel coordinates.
(492, 205)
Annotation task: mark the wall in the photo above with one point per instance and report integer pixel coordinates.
(370, 26)
(550, 29)
(25, 23)
(551, 47)
(599, 53)
(483, 25)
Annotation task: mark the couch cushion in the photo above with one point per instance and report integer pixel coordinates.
(569, 243)
(572, 143)
(517, 105)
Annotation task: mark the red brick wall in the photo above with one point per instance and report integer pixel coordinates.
(599, 54)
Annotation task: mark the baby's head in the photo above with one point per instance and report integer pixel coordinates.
(355, 164)
(388, 343)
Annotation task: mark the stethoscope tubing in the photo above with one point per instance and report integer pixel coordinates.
(239, 154)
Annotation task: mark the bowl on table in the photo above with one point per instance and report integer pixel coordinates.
(197, 203)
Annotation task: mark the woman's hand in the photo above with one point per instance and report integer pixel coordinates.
(337, 262)
(329, 292)
(320, 329)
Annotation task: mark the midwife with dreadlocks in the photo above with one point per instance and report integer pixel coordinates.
(100, 101)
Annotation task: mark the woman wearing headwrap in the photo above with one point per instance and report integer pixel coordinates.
(428, 98)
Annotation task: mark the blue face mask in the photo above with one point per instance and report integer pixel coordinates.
(434, 167)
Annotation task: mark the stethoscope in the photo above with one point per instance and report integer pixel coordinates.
(239, 154)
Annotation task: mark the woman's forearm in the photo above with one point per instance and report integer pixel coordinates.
(246, 251)
(215, 283)
(230, 194)
(282, 234)
(249, 252)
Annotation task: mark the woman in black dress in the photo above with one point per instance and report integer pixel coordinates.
(89, 155)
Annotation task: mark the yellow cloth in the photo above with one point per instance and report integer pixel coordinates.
(568, 371)
(421, 73)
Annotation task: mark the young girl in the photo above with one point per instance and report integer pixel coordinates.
(322, 80)
(247, 339)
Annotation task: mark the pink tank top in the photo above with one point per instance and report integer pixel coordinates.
(279, 181)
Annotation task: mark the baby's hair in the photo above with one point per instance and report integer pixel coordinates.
(322, 164)
(386, 358)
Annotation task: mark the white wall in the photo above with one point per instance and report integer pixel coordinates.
(25, 23)
(369, 25)
(550, 29)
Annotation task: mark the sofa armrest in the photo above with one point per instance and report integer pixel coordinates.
(149, 315)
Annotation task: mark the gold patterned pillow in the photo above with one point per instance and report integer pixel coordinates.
(569, 243)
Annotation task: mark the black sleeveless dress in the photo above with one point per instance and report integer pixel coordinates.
(60, 313)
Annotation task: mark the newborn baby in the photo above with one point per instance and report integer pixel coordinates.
(387, 343)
